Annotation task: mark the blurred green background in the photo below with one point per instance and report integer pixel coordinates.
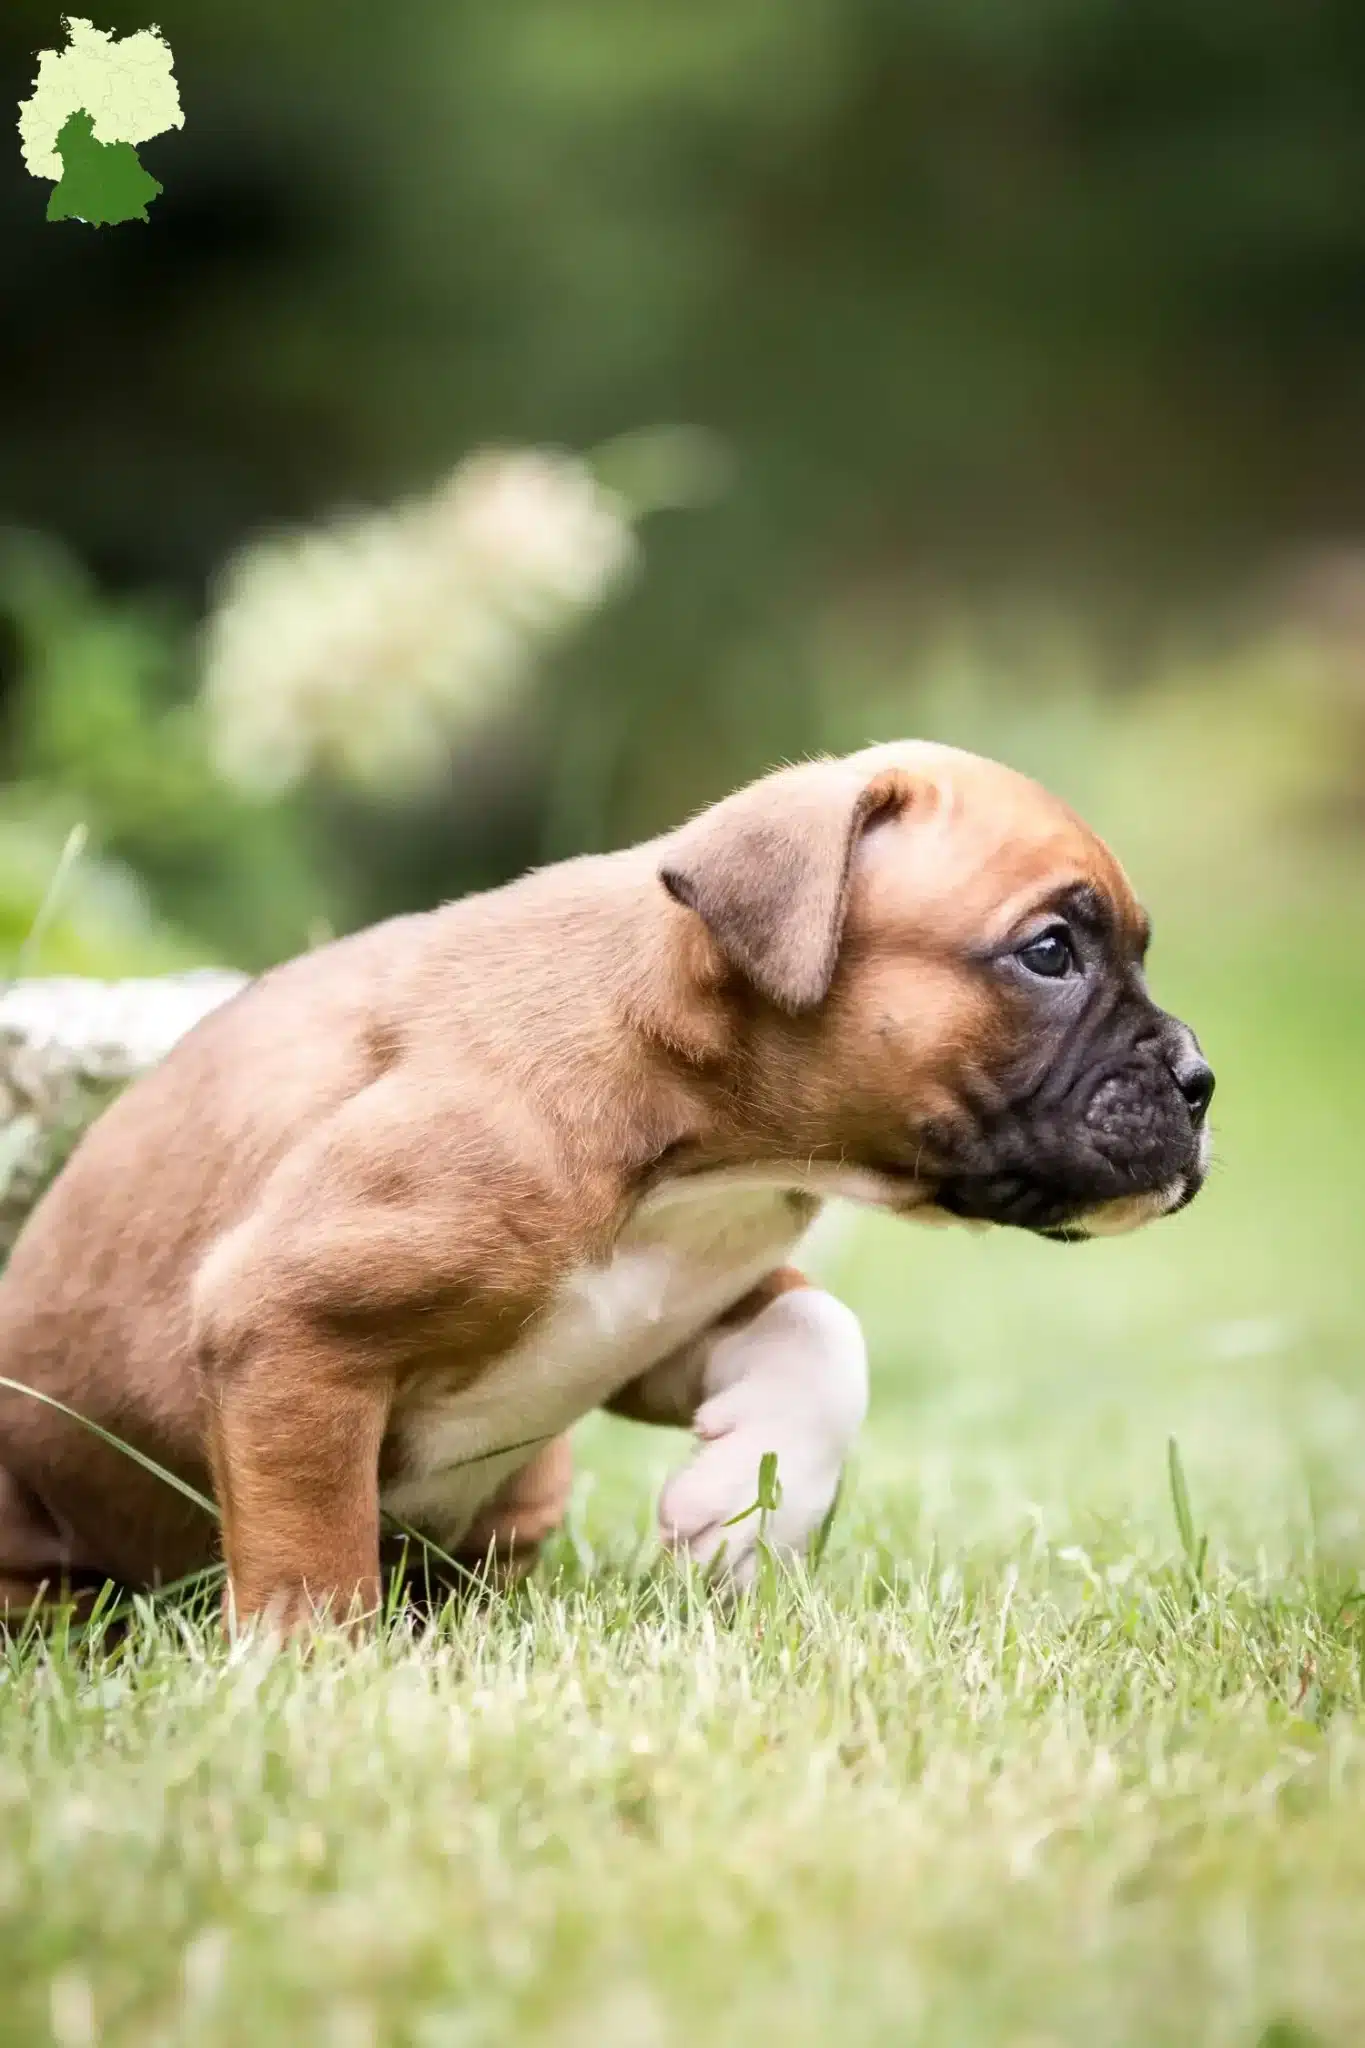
(1020, 357)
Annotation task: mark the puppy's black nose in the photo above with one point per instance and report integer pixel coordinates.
(1194, 1079)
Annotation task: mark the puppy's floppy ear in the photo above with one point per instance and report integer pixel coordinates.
(768, 870)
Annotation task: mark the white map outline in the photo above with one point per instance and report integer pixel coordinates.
(125, 83)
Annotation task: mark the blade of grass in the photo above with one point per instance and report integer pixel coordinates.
(430, 1549)
(767, 1499)
(43, 916)
(115, 1443)
(1180, 1498)
(103, 1617)
(820, 1543)
(1194, 1546)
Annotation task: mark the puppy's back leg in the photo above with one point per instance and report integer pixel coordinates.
(32, 1541)
(42, 1565)
(528, 1507)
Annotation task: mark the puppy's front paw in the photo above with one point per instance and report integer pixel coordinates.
(699, 1504)
(794, 1383)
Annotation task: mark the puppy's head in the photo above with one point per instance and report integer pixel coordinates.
(936, 972)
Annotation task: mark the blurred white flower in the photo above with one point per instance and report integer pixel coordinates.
(364, 650)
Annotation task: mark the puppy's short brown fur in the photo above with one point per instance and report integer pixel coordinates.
(383, 1227)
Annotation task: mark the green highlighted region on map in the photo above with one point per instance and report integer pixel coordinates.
(93, 102)
(102, 182)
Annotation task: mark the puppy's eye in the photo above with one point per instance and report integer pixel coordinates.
(1051, 955)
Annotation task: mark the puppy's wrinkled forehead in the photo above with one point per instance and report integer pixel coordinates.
(979, 851)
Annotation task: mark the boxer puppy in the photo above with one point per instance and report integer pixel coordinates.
(381, 1229)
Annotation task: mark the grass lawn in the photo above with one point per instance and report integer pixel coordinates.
(1006, 1771)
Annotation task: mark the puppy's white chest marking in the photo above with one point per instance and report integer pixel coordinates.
(689, 1251)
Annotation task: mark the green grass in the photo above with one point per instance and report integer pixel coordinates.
(1026, 1764)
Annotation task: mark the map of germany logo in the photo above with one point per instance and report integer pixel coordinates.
(92, 103)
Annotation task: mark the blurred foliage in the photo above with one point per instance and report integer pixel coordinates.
(979, 304)
(1237, 760)
(101, 736)
(101, 922)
